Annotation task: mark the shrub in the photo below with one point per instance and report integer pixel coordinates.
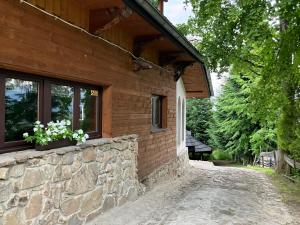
(220, 155)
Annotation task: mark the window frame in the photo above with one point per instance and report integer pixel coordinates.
(162, 113)
(44, 105)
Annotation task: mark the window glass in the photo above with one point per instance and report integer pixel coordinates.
(21, 108)
(88, 109)
(61, 102)
(156, 111)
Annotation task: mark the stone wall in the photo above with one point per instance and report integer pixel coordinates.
(173, 169)
(69, 185)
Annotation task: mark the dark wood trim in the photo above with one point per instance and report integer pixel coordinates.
(47, 102)
(2, 111)
(76, 108)
(99, 112)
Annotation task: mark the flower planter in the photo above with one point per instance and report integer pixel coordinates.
(55, 144)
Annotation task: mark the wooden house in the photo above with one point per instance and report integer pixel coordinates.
(113, 67)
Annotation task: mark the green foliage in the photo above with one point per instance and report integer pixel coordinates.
(220, 155)
(233, 128)
(154, 2)
(259, 39)
(198, 115)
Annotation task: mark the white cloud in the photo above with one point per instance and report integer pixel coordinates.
(177, 12)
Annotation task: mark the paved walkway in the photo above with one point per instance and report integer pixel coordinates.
(207, 195)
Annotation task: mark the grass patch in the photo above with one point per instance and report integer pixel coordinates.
(290, 191)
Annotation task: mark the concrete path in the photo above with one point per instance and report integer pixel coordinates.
(207, 195)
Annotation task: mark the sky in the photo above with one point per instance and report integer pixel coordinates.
(177, 12)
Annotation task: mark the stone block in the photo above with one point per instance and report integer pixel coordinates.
(5, 191)
(91, 201)
(70, 206)
(68, 158)
(82, 181)
(89, 155)
(74, 220)
(34, 206)
(108, 203)
(4, 173)
(17, 170)
(13, 217)
(33, 177)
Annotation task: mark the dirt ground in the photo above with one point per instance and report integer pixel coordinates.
(207, 195)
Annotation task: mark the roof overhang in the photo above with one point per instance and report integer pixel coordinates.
(162, 24)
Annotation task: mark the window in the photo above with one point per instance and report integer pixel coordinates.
(159, 112)
(183, 120)
(25, 99)
(178, 121)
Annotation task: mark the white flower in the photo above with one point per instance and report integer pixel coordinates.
(80, 131)
(86, 136)
(83, 140)
(35, 129)
(75, 135)
(68, 122)
(49, 139)
(48, 132)
(38, 122)
(41, 126)
(25, 135)
(63, 123)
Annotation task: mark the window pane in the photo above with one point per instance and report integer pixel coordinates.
(88, 109)
(21, 108)
(156, 111)
(61, 102)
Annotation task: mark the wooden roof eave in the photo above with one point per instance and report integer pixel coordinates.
(162, 24)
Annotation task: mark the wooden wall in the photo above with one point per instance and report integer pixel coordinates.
(36, 43)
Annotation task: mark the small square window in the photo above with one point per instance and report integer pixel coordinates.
(158, 112)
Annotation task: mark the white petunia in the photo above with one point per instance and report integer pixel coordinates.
(80, 131)
(83, 140)
(41, 126)
(86, 136)
(38, 122)
(35, 129)
(25, 135)
(48, 132)
(68, 122)
(75, 135)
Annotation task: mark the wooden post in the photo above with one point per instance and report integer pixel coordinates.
(280, 163)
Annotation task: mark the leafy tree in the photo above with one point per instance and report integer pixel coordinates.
(232, 127)
(261, 40)
(198, 116)
(154, 2)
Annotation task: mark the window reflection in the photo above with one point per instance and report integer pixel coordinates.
(61, 102)
(21, 108)
(88, 109)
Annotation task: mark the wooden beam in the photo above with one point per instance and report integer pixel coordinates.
(141, 42)
(180, 67)
(117, 16)
(168, 58)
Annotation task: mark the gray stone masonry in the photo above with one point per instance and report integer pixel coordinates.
(70, 185)
(75, 184)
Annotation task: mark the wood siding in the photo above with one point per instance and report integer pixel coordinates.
(36, 43)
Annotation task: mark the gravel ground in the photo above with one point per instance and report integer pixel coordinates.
(206, 195)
